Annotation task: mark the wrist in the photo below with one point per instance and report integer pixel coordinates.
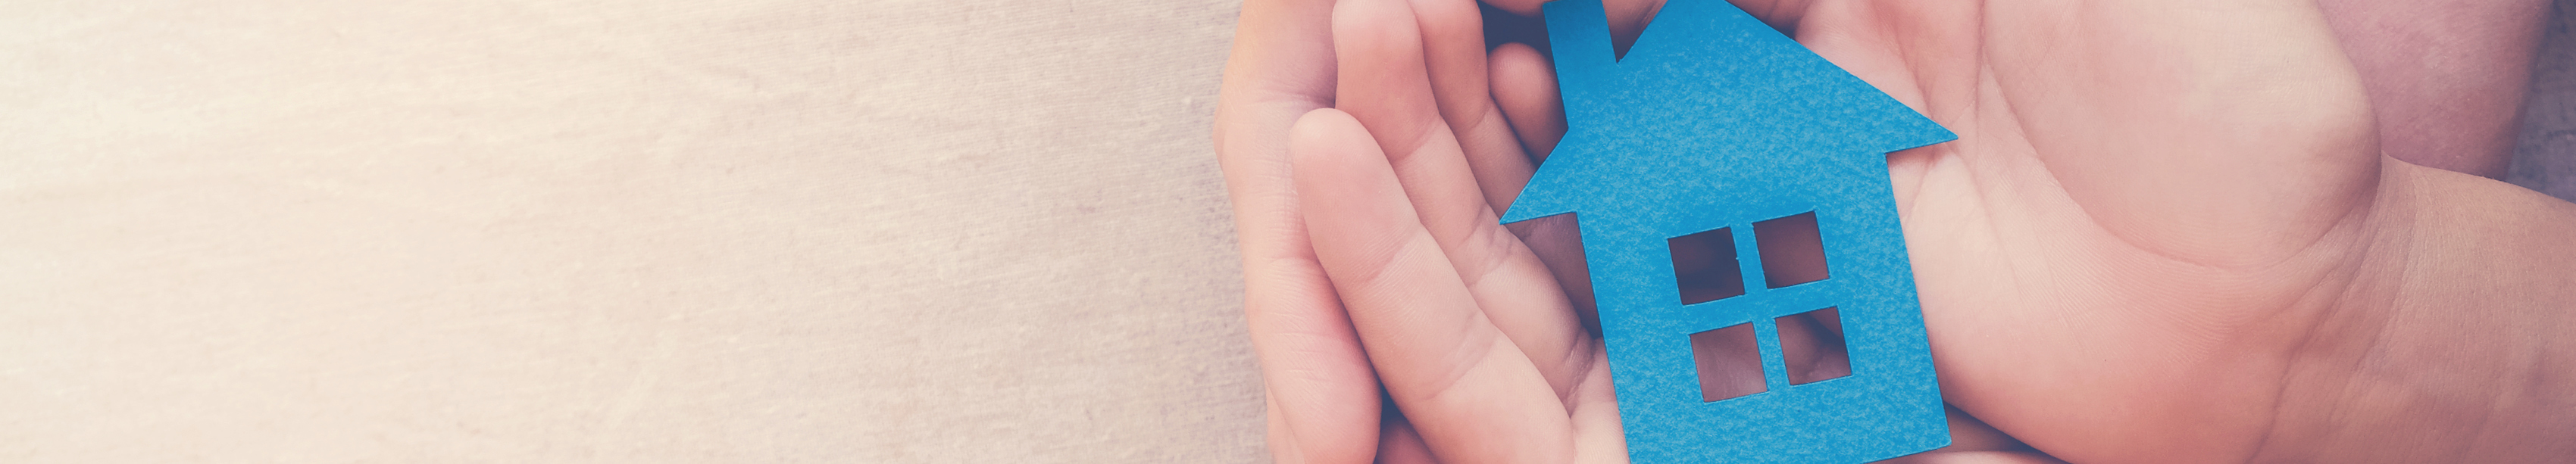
(2446, 344)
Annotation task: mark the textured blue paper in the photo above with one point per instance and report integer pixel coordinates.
(1716, 120)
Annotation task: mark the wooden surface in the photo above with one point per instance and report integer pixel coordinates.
(886, 231)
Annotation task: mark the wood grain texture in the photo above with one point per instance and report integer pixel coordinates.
(890, 231)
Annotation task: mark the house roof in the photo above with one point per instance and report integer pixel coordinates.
(1706, 92)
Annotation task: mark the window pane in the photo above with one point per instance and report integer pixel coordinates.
(1730, 364)
(1704, 266)
(1812, 344)
(1793, 250)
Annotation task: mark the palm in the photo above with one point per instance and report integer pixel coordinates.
(2113, 255)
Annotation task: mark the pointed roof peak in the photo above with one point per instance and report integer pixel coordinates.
(1705, 87)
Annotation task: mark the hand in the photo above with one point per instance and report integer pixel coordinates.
(2167, 234)
(1479, 283)
(1323, 391)
(2190, 291)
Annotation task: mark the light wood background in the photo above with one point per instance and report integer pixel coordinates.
(905, 231)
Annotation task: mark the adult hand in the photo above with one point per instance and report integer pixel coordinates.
(1321, 397)
(2167, 234)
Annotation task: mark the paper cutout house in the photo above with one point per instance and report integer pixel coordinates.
(1712, 137)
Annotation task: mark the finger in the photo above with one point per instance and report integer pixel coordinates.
(1598, 437)
(1977, 457)
(1969, 434)
(1524, 81)
(1518, 7)
(2219, 133)
(1469, 391)
(1497, 147)
(1972, 441)
(1453, 46)
(1286, 447)
(1516, 127)
(1784, 15)
(1385, 84)
(1318, 380)
(1628, 18)
(1558, 242)
(1524, 86)
(1398, 443)
(1322, 394)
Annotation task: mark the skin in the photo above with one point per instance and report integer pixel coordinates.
(2152, 243)
(2446, 77)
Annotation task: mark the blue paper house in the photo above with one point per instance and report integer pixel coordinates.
(1714, 139)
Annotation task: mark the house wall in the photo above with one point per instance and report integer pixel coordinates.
(1646, 329)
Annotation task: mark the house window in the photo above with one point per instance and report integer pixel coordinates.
(1729, 362)
(1793, 252)
(1811, 344)
(1704, 266)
